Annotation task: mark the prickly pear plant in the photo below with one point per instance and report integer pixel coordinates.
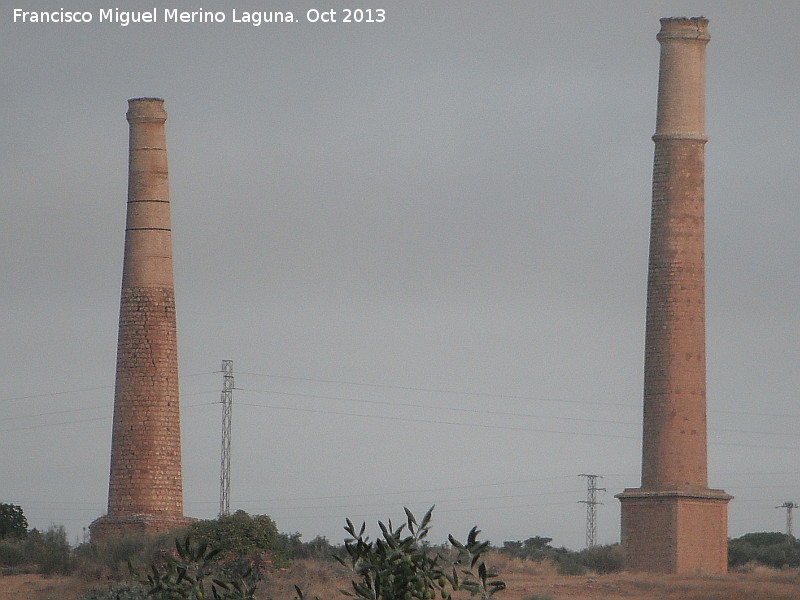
(399, 567)
(197, 574)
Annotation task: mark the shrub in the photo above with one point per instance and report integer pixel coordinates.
(197, 573)
(567, 562)
(766, 548)
(599, 559)
(117, 592)
(762, 538)
(242, 535)
(535, 548)
(398, 567)
(11, 554)
(110, 557)
(13, 523)
(49, 550)
(602, 559)
(318, 548)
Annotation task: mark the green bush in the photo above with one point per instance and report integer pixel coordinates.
(767, 548)
(117, 592)
(11, 554)
(49, 550)
(602, 559)
(319, 548)
(13, 523)
(535, 548)
(599, 559)
(762, 538)
(110, 557)
(394, 567)
(198, 573)
(242, 535)
(568, 562)
(398, 567)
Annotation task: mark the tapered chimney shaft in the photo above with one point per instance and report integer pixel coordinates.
(145, 485)
(674, 440)
(674, 523)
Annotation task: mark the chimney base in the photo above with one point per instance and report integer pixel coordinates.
(110, 527)
(675, 531)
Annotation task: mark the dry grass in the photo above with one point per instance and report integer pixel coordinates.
(526, 580)
(40, 587)
(505, 564)
(315, 578)
(761, 585)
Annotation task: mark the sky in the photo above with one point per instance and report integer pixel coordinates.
(423, 242)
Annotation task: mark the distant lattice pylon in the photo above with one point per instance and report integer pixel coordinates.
(225, 455)
(591, 502)
(789, 506)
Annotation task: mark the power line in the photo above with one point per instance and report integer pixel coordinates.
(431, 390)
(295, 506)
(489, 426)
(492, 412)
(427, 390)
(440, 391)
(429, 421)
(91, 420)
(435, 421)
(394, 404)
(61, 393)
(81, 391)
(54, 412)
(428, 407)
(55, 424)
(491, 395)
(412, 491)
(439, 510)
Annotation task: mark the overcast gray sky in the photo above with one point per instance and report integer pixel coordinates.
(422, 242)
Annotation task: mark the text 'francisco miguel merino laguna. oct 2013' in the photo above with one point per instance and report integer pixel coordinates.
(177, 16)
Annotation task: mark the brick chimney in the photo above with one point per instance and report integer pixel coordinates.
(145, 493)
(674, 523)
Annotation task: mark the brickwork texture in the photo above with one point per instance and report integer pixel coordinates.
(145, 491)
(674, 523)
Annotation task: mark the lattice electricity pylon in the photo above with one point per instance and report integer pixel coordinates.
(591, 502)
(789, 506)
(225, 456)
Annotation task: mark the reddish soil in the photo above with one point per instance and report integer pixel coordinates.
(524, 580)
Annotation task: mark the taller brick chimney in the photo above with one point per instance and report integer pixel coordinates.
(674, 523)
(145, 493)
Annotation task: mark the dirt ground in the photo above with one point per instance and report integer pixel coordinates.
(525, 581)
(627, 586)
(37, 587)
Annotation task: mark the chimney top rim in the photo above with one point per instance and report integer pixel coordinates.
(684, 28)
(696, 20)
(144, 110)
